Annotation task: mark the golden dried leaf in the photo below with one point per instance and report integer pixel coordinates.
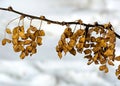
(41, 33)
(95, 58)
(117, 72)
(8, 31)
(4, 41)
(103, 43)
(80, 32)
(16, 30)
(34, 50)
(110, 62)
(103, 60)
(29, 48)
(88, 57)
(22, 55)
(34, 44)
(93, 39)
(82, 40)
(26, 42)
(63, 37)
(32, 37)
(102, 67)
(87, 51)
(21, 29)
(33, 28)
(64, 49)
(117, 58)
(22, 35)
(60, 54)
(109, 52)
(15, 36)
(80, 45)
(106, 70)
(68, 32)
(96, 49)
(16, 48)
(39, 40)
(86, 45)
(89, 62)
(72, 43)
(36, 33)
(15, 41)
(73, 51)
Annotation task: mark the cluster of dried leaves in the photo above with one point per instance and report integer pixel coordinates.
(24, 41)
(97, 43)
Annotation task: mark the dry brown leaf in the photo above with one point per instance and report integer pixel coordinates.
(4, 41)
(110, 62)
(41, 33)
(8, 31)
(60, 54)
(73, 51)
(39, 40)
(22, 55)
(26, 42)
(87, 51)
(109, 52)
(117, 58)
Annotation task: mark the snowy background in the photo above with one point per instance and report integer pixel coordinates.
(45, 68)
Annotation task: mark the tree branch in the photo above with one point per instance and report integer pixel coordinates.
(10, 9)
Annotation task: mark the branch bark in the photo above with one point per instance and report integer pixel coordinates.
(10, 9)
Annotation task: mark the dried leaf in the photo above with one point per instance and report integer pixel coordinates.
(60, 54)
(39, 40)
(4, 41)
(8, 31)
(22, 55)
(117, 58)
(73, 51)
(109, 52)
(26, 42)
(87, 51)
(110, 62)
(41, 33)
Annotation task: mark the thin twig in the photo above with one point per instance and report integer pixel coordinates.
(10, 9)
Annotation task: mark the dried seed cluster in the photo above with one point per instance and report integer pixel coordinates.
(24, 41)
(98, 49)
(97, 42)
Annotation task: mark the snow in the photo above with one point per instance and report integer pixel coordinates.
(45, 68)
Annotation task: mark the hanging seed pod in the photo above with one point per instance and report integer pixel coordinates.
(87, 51)
(8, 31)
(109, 52)
(21, 29)
(16, 30)
(22, 55)
(60, 54)
(26, 42)
(15, 36)
(68, 32)
(73, 51)
(41, 33)
(33, 44)
(110, 63)
(29, 48)
(34, 50)
(117, 58)
(39, 40)
(4, 41)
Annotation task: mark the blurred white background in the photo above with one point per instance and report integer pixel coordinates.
(45, 68)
